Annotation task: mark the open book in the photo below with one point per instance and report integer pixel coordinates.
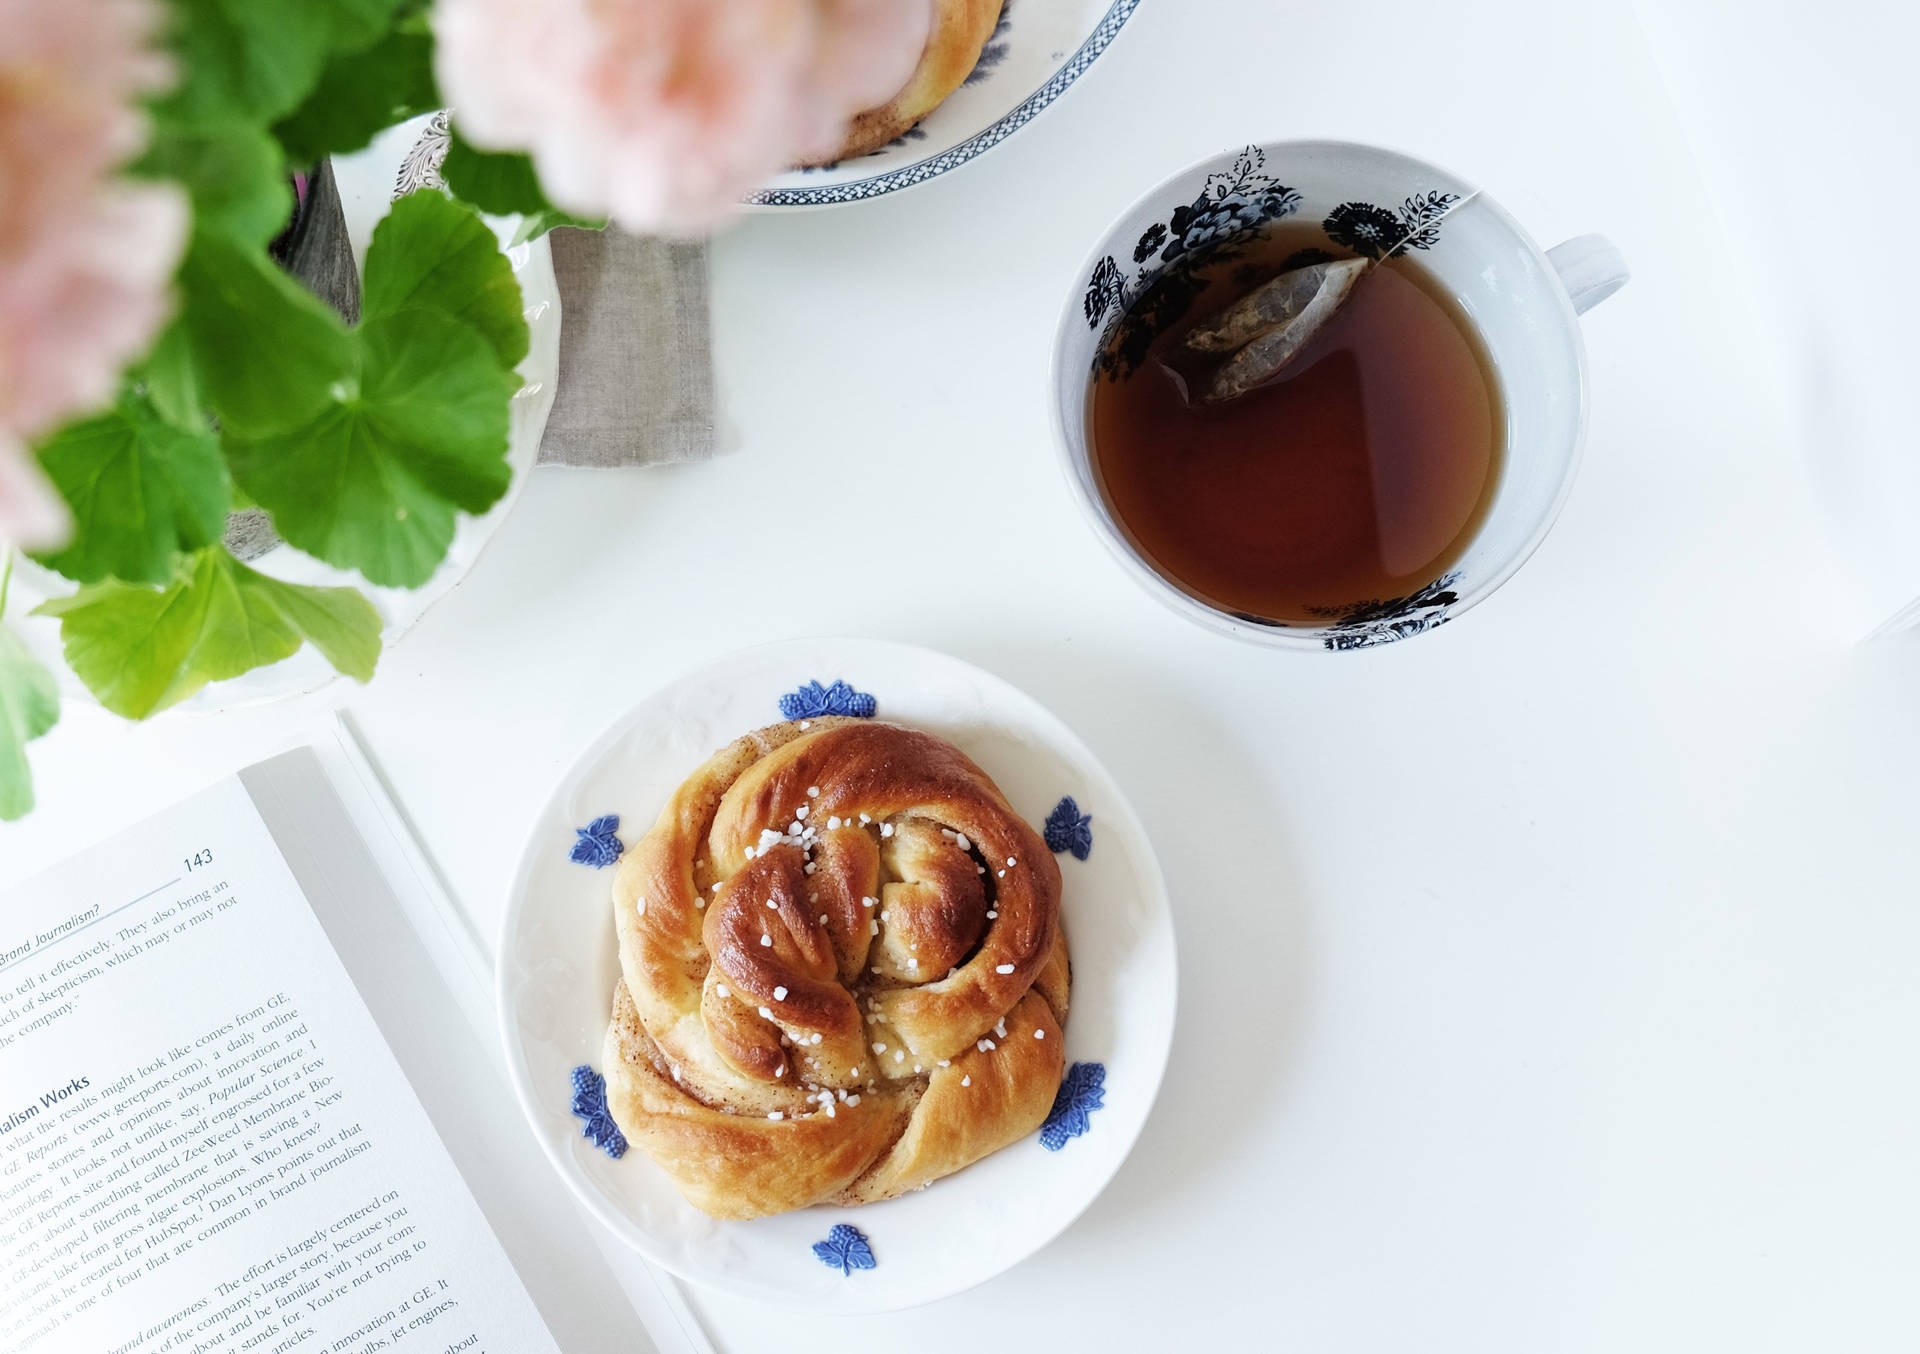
(244, 1104)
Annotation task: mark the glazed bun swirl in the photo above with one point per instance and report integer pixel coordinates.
(843, 971)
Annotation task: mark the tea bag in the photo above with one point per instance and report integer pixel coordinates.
(1263, 332)
(1303, 294)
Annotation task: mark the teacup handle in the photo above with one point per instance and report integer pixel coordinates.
(1590, 268)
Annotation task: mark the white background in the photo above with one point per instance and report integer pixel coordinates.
(1549, 981)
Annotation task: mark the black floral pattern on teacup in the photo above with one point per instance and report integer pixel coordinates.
(1106, 289)
(1229, 208)
(1228, 211)
(1376, 232)
(1364, 228)
(1135, 324)
(1204, 223)
(1366, 624)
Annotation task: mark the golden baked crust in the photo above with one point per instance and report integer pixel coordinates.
(960, 29)
(834, 985)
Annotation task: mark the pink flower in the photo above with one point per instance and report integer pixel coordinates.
(661, 113)
(31, 510)
(86, 258)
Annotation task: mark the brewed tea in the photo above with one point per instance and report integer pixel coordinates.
(1359, 474)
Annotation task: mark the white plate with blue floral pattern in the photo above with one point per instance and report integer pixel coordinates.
(1037, 51)
(559, 963)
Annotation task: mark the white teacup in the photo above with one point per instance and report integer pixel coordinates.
(1523, 301)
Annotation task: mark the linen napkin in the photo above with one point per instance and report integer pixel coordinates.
(636, 362)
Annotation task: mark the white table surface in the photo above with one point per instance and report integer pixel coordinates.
(1548, 982)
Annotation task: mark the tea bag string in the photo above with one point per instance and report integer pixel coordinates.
(1413, 232)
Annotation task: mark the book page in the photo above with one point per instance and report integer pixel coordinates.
(205, 1143)
(595, 1292)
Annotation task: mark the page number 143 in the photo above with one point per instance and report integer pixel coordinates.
(199, 859)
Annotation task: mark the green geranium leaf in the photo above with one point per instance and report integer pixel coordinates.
(500, 182)
(339, 622)
(143, 649)
(533, 227)
(254, 61)
(358, 24)
(245, 61)
(141, 490)
(359, 95)
(233, 173)
(432, 251)
(267, 351)
(168, 376)
(503, 183)
(29, 707)
(418, 432)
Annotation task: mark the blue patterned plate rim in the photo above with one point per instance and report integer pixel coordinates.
(906, 176)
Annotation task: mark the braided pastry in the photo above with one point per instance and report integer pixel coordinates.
(843, 973)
